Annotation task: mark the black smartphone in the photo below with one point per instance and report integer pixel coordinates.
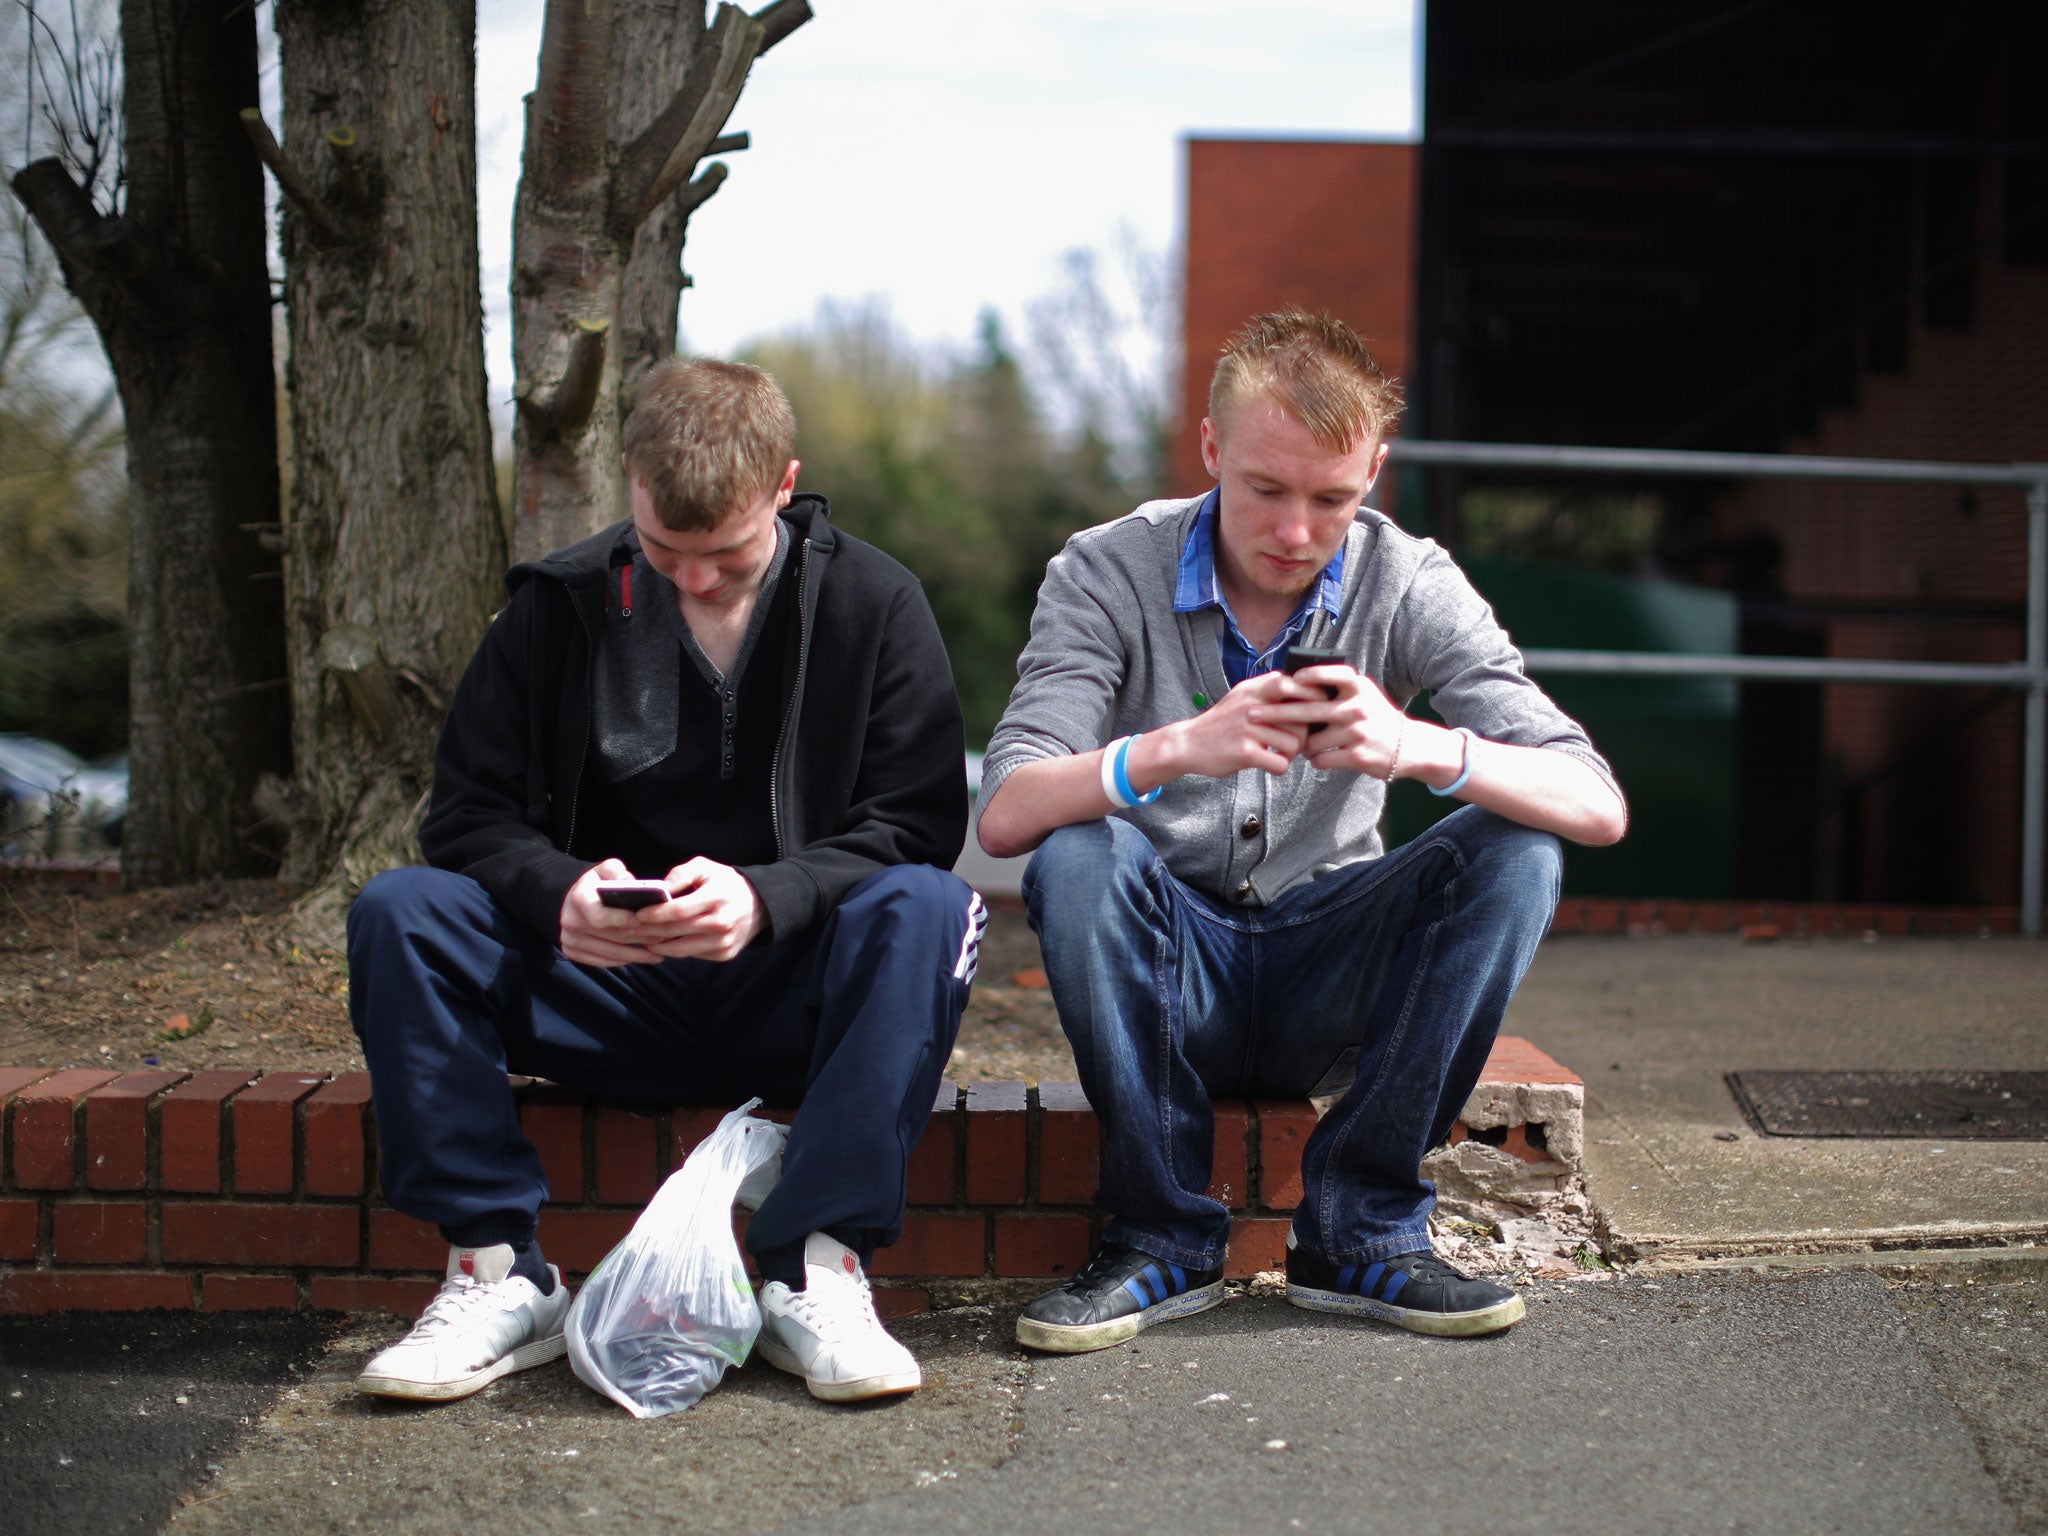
(1299, 656)
(632, 894)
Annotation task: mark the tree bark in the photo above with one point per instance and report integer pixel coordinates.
(178, 289)
(395, 547)
(632, 96)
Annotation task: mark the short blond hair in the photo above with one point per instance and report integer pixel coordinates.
(1316, 368)
(707, 439)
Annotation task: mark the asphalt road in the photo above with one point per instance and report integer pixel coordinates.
(107, 1420)
(1821, 1401)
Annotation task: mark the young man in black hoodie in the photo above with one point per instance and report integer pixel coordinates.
(727, 695)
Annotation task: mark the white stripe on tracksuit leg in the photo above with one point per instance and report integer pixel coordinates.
(970, 941)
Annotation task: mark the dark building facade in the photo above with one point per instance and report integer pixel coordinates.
(1793, 226)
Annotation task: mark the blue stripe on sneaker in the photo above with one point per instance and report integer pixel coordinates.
(1180, 1278)
(1370, 1279)
(1136, 1287)
(1394, 1286)
(1345, 1275)
(1156, 1279)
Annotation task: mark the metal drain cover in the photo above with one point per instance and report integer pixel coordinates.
(1943, 1106)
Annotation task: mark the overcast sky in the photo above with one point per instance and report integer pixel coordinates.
(942, 154)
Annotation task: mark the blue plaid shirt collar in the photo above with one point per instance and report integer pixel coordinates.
(1197, 587)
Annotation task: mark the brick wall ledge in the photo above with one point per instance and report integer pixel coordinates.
(230, 1191)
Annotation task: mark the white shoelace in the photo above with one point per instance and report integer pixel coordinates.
(460, 1298)
(832, 1308)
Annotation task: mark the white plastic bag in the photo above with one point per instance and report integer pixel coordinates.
(667, 1311)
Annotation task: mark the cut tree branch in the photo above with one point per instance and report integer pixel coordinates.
(576, 395)
(700, 190)
(289, 181)
(348, 166)
(664, 156)
(728, 143)
(66, 216)
(565, 412)
(781, 19)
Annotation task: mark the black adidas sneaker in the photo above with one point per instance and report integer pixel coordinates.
(1117, 1294)
(1416, 1291)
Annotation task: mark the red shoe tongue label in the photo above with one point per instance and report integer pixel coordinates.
(468, 1261)
(850, 1263)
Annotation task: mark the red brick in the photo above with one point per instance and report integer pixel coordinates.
(99, 1234)
(1052, 1246)
(1570, 916)
(996, 1115)
(686, 1128)
(337, 1160)
(359, 1293)
(1230, 1165)
(1710, 917)
(1932, 920)
(264, 1139)
(1284, 1129)
(1603, 916)
(1515, 1060)
(117, 1130)
(248, 1293)
(1516, 1144)
(934, 1161)
(1680, 916)
(405, 1242)
(626, 1174)
(45, 1124)
(14, 1079)
(1069, 1146)
(31, 1292)
(576, 1240)
(1893, 922)
(18, 1221)
(1639, 916)
(936, 1243)
(1257, 1243)
(553, 1121)
(2001, 919)
(284, 1236)
(900, 1301)
(188, 1132)
(1751, 914)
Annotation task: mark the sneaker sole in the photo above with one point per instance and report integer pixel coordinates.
(888, 1384)
(1445, 1325)
(1072, 1339)
(523, 1358)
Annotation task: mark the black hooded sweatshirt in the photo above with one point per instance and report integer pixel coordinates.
(867, 770)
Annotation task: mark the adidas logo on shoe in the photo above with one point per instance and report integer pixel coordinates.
(1117, 1294)
(1416, 1291)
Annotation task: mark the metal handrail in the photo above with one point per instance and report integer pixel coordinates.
(2030, 675)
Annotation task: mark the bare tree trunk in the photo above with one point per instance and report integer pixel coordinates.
(395, 546)
(178, 289)
(614, 133)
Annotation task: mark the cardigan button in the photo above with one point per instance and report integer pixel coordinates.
(1244, 892)
(1250, 827)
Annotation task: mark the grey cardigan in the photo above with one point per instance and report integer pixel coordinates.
(1109, 657)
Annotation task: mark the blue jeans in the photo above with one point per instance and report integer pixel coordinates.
(1391, 975)
(853, 1021)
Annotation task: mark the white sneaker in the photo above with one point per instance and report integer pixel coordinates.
(485, 1322)
(828, 1333)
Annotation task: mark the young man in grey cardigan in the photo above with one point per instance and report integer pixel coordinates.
(1217, 911)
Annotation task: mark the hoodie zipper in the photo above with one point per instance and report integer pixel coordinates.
(796, 693)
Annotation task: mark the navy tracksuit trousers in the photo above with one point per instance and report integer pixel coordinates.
(852, 1021)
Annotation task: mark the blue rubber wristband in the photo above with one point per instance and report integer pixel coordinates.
(1123, 776)
(1464, 767)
